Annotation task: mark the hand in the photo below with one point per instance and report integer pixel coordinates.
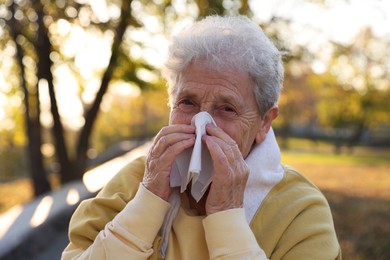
(230, 172)
(169, 142)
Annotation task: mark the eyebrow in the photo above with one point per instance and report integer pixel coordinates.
(222, 97)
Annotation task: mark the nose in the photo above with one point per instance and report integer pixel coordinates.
(207, 107)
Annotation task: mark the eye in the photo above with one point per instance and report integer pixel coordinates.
(228, 109)
(186, 102)
(186, 105)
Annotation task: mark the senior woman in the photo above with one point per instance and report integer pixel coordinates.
(254, 208)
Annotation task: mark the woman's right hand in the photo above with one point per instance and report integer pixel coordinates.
(169, 142)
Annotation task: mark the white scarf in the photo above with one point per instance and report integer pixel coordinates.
(263, 162)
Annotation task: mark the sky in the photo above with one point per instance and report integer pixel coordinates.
(312, 26)
(338, 20)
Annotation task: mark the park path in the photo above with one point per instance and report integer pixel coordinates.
(38, 230)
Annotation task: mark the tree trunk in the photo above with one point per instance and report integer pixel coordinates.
(32, 122)
(91, 115)
(44, 48)
(34, 129)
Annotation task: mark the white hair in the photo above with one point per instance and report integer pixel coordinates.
(229, 42)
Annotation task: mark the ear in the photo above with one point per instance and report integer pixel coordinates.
(266, 123)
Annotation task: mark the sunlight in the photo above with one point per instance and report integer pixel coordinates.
(63, 27)
(48, 149)
(2, 113)
(95, 53)
(104, 12)
(72, 197)
(91, 52)
(3, 103)
(96, 178)
(8, 219)
(147, 75)
(339, 21)
(90, 90)
(45, 116)
(318, 67)
(42, 211)
(125, 89)
(74, 43)
(152, 23)
(69, 103)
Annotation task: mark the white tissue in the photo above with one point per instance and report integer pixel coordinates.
(194, 163)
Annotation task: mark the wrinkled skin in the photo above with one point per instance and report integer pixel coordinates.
(227, 96)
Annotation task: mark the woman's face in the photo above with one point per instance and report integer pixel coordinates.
(227, 96)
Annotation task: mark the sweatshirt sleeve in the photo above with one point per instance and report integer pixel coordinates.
(130, 233)
(229, 236)
(295, 221)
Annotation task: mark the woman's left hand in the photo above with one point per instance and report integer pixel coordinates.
(230, 172)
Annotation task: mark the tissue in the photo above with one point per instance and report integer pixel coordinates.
(194, 163)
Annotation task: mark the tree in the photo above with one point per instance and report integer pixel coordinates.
(222, 7)
(27, 23)
(32, 113)
(342, 88)
(360, 99)
(31, 26)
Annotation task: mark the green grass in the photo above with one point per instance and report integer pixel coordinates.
(320, 152)
(291, 156)
(357, 186)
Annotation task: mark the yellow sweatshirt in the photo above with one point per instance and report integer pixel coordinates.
(123, 221)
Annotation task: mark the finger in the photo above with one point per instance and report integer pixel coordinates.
(217, 154)
(165, 142)
(227, 159)
(219, 133)
(229, 148)
(189, 129)
(175, 149)
(157, 173)
(170, 135)
(168, 155)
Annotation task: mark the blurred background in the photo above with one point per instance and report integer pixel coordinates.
(80, 84)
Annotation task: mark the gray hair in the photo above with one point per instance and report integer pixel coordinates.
(229, 42)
